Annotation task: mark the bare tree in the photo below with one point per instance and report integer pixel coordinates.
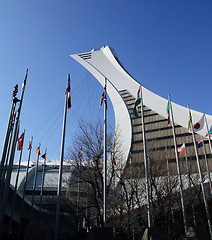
(86, 182)
(126, 193)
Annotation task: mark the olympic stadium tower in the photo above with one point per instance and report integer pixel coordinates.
(122, 89)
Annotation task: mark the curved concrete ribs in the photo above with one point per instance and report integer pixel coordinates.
(104, 63)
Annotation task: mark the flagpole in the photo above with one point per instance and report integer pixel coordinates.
(189, 185)
(61, 161)
(9, 131)
(209, 139)
(5, 165)
(105, 162)
(187, 168)
(7, 155)
(186, 161)
(11, 159)
(146, 167)
(16, 185)
(169, 183)
(26, 177)
(4, 173)
(7, 142)
(78, 190)
(207, 167)
(25, 183)
(179, 172)
(167, 166)
(43, 177)
(35, 180)
(201, 178)
(130, 166)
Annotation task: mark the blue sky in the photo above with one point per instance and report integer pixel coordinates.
(165, 45)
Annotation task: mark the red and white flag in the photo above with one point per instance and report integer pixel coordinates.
(30, 144)
(200, 124)
(13, 114)
(103, 98)
(181, 149)
(20, 141)
(15, 91)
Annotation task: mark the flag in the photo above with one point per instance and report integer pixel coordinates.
(103, 98)
(30, 144)
(68, 89)
(12, 119)
(189, 122)
(137, 103)
(20, 141)
(168, 111)
(210, 132)
(38, 151)
(200, 124)
(181, 149)
(114, 162)
(139, 93)
(15, 100)
(200, 143)
(15, 91)
(80, 153)
(44, 156)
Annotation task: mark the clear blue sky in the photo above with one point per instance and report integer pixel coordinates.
(166, 45)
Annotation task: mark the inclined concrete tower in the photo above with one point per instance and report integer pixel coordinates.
(122, 89)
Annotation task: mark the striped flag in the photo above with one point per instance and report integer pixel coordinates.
(15, 91)
(137, 103)
(38, 151)
(13, 114)
(189, 122)
(168, 111)
(30, 144)
(103, 98)
(20, 141)
(181, 149)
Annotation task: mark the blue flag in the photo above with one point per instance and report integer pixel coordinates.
(200, 143)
